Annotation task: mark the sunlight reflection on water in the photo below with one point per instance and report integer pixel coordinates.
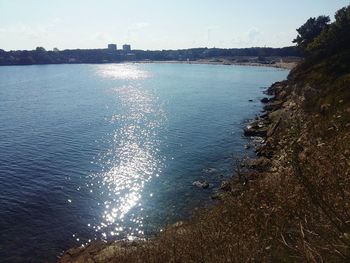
(133, 158)
(122, 71)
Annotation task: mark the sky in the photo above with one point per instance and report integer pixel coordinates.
(156, 24)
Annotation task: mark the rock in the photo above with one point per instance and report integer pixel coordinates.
(250, 100)
(258, 141)
(178, 224)
(264, 100)
(272, 128)
(273, 106)
(97, 252)
(201, 184)
(256, 128)
(210, 170)
(260, 164)
(265, 151)
(276, 87)
(275, 115)
(282, 95)
(264, 115)
(247, 146)
(225, 186)
(107, 254)
(217, 195)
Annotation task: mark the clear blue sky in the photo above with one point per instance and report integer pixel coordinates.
(155, 24)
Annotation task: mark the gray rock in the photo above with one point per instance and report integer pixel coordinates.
(210, 170)
(256, 128)
(201, 184)
(273, 106)
(217, 196)
(264, 100)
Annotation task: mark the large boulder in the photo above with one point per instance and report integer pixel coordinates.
(265, 100)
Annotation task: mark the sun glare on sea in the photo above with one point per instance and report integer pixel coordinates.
(133, 156)
(122, 71)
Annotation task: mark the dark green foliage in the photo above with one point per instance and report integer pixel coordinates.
(326, 68)
(41, 56)
(335, 38)
(328, 53)
(310, 30)
(40, 50)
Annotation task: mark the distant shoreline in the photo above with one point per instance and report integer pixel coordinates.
(282, 65)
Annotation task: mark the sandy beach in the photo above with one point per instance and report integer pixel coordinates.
(283, 65)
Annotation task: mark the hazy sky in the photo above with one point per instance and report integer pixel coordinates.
(155, 24)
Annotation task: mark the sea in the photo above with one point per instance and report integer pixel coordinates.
(110, 151)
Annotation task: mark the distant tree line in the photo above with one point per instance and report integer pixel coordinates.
(42, 56)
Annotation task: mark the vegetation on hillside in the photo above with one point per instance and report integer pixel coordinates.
(327, 66)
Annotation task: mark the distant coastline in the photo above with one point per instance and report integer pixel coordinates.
(283, 65)
(255, 56)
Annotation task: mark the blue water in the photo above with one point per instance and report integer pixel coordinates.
(110, 151)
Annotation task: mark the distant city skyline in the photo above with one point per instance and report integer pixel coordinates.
(156, 24)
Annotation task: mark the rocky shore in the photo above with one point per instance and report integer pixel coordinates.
(274, 119)
(276, 109)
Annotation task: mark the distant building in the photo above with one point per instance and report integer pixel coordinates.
(112, 47)
(130, 56)
(126, 48)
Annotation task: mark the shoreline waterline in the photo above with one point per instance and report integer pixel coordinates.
(279, 65)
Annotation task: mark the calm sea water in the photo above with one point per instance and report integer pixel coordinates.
(110, 151)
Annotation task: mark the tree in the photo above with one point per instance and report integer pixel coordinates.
(40, 49)
(337, 36)
(310, 30)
